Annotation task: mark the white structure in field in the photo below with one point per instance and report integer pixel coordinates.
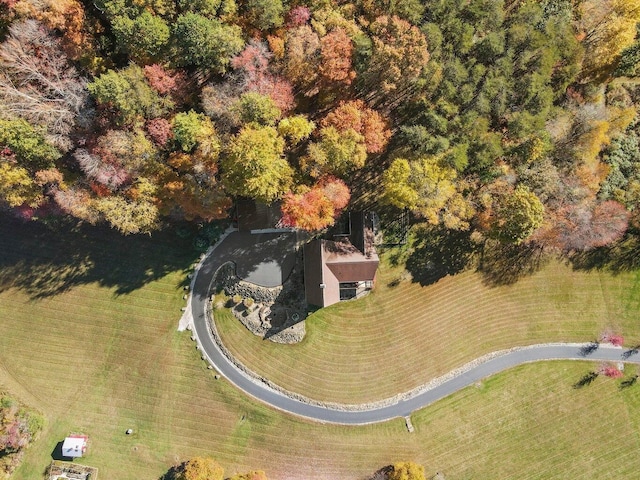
(74, 446)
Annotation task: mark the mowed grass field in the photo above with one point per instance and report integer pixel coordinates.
(88, 336)
(404, 334)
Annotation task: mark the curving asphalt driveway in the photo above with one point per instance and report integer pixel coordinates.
(401, 406)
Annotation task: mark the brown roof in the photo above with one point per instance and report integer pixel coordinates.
(348, 263)
(327, 263)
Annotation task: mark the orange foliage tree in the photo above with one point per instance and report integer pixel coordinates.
(299, 62)
(398, 55)
(336, 51)
(367, 122)
(584, 226)
(315, 208)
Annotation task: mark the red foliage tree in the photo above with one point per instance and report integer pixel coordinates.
(166, 82)
(367, 122)
(279, 89)
(110, 175)
(159, 79)
(253, 64)
(159, 129)
(584, 226)
(15, 431)
(253, 60)
(610, 220)
(297, 16)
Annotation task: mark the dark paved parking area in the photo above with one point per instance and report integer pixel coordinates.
(265, 259)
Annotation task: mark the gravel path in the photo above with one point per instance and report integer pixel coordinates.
(197, 318)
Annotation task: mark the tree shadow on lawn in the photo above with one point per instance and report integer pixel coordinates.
(505, 264)
(586, 380)
(173, 472)
(435, 252)
(629, 382)
(438, 252)
(44, 261)
(624, 256)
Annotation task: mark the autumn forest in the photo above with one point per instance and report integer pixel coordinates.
(512, 120)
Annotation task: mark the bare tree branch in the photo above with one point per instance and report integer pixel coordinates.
(38, 84)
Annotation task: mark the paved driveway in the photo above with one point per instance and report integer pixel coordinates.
(265, 259)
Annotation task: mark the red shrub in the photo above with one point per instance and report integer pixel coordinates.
(612, 338)
(612, 372)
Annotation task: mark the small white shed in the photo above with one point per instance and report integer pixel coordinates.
(74, 446)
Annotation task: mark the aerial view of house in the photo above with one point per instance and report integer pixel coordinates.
(319, 239)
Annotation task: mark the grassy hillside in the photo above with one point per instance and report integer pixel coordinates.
(98, 353)
(405, 334)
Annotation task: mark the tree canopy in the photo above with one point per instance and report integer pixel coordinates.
(254, 166)
(515, 121)
(205, 42)
(406, 471)
(200, 468)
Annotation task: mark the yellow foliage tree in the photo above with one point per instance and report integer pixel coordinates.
(596, 134)
(429, 189)
(128, 216)
(17, 186)
(609, 27)
(201, 468)
(406, 471)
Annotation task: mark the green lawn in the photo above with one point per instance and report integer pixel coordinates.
(99, 353)
(402, 336)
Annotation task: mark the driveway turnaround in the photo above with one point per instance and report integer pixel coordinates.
(402, 405)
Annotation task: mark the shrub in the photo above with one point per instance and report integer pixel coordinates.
(611, 371)
(201, 242)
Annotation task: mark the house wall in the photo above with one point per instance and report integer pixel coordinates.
(313, 273)
(332, 289)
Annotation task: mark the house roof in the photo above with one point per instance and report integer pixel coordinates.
(347, 263)
(327, 263)
(74, 446)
